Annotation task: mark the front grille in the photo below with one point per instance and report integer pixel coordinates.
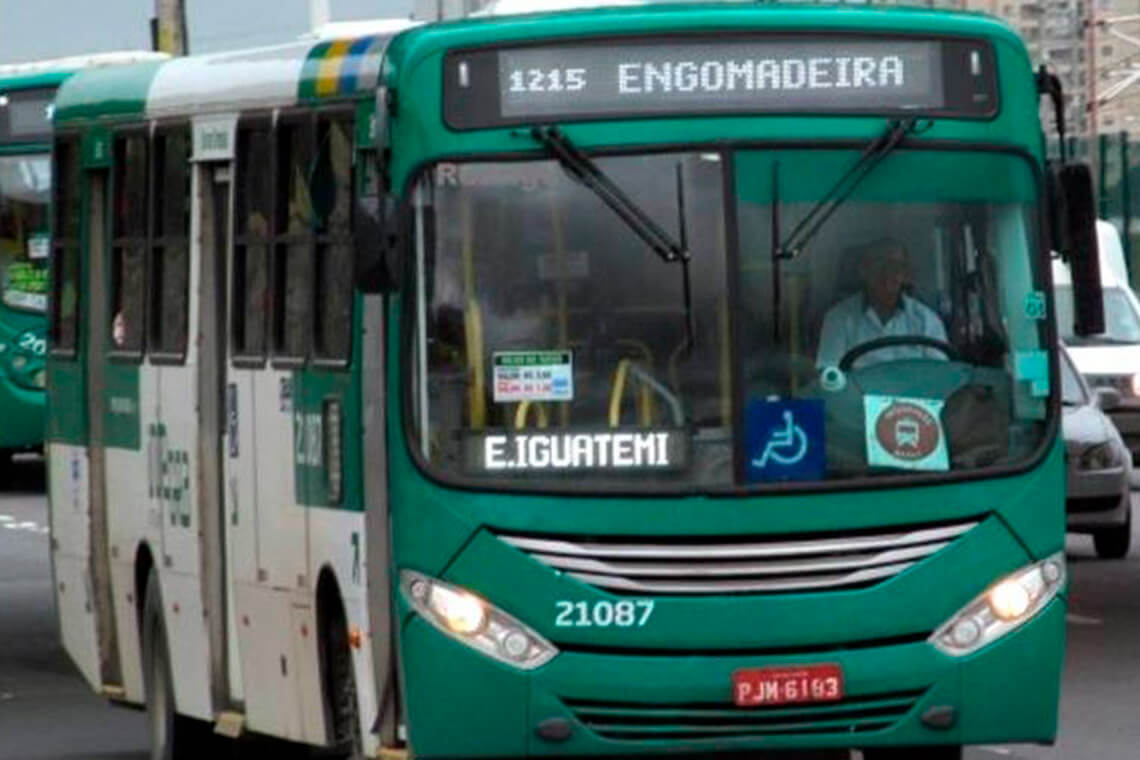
(741, 566)
(628, 721)
(1093, 503)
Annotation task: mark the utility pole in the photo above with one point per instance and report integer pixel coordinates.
(168, 27)
(1094, 80)
(319, 14)
(439, 10)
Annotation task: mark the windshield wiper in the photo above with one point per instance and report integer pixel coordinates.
(590, 174)
(583, 169)
(876, 150)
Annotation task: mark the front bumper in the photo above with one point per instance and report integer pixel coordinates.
(669, 704)
(1097, 498)
(1126, 418)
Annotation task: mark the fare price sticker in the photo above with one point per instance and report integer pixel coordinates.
(905, 433)
(533, 376)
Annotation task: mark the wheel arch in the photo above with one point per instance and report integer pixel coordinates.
(144, 563)
(330, 611)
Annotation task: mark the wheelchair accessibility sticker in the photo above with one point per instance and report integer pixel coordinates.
(905, 433)
(785, 440)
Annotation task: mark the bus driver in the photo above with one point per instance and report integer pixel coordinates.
(880, 309)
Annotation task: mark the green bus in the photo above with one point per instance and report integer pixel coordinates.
(621, 381)
(26, 94)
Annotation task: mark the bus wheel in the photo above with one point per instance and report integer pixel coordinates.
(340, 685)
(172, 737)
(910, 753)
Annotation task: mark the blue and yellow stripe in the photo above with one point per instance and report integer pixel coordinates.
(339, 68)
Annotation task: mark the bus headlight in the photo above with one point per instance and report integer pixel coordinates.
(1003, 607)
(471, 620)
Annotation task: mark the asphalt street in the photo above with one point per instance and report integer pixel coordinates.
(48, 712)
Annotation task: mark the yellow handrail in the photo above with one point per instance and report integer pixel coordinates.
(540, 412)
(644, 397)
(476, 377)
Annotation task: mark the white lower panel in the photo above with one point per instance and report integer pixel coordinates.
(69, 496)
(308, 667)
(127, 628)
(189, 644)
(269, 667)
(77, 615)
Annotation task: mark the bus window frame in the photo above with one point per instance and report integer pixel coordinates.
(157, 354)
(582, 486)
(347, 115)
(253, 360)
(123, 242)
(305, 118)
(61, 245)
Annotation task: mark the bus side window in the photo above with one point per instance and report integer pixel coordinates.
(64, 327)
(293, 242)
(252, 235)
(332, 190)
(170, 250)
(128, 253)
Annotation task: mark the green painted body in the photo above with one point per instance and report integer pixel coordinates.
(21, 403)
(460, 703)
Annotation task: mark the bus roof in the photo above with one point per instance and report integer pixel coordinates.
(278, 76)
(315, 70)
(51, 72)
(523, 20)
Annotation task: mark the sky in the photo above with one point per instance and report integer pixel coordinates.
(37, 29)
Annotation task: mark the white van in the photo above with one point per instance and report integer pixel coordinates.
(1111, 359)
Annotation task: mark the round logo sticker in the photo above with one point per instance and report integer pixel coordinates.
(907, 431)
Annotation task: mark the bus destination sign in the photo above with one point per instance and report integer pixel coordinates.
(840, 75)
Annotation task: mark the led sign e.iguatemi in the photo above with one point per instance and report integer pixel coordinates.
(842, 74)
(611, 450)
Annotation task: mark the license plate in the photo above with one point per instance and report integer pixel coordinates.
(764, 687)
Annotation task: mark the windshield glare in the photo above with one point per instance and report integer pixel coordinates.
(25, 184)
(552, 344)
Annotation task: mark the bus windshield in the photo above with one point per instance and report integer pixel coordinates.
(25, 185)
(553, 348)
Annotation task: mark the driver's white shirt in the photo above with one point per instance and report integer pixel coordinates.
(852, 322)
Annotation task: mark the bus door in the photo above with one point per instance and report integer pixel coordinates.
(213, 209)
(97, 322)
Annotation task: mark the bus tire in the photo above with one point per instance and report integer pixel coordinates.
(340, 686)
(172, 736)
(942, 752)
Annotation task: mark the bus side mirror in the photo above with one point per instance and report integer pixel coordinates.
(378, 241)
(1076, 208)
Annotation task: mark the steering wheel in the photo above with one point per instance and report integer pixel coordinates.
(897, 340)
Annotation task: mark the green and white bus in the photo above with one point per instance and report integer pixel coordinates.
(26, 94)
(626, 381)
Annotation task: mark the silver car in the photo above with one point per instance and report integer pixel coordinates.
(1098, 496)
